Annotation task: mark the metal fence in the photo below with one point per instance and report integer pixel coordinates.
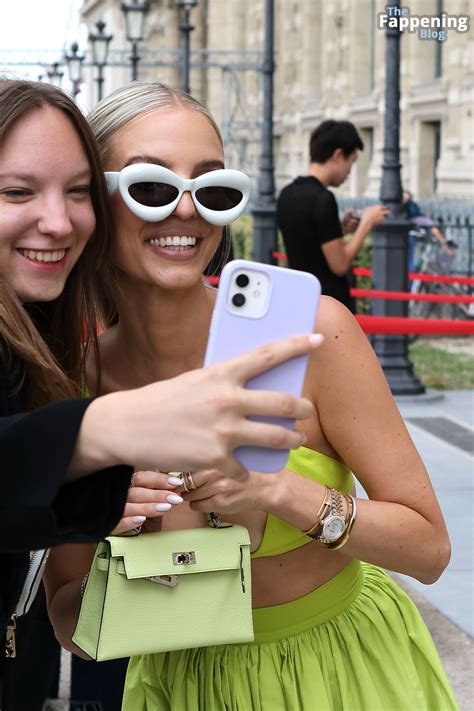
(454, 217)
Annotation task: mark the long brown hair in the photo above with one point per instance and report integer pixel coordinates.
(44, 345)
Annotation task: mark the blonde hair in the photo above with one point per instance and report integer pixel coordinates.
(110, 115)
(136, 99)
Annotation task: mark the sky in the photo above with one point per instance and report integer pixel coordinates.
(38, 25)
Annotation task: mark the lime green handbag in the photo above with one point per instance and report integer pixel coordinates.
(156, 592)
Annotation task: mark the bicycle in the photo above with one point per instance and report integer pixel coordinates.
(435, 255)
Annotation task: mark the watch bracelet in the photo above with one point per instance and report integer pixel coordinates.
(351, 515)
(337, 509)
(326, 509)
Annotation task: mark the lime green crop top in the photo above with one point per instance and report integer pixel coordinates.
(281, 537)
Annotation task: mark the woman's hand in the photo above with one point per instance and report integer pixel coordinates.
(151, 494)
(217, 492)
(290, 496)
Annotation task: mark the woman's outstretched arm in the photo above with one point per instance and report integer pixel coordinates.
(48, 496)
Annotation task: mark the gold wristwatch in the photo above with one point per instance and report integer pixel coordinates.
(334, 524)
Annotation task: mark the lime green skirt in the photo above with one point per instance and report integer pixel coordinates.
(357, 643)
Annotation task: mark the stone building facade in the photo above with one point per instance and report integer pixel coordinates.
(329, 57)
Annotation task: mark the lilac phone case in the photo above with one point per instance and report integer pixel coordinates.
(292, 308)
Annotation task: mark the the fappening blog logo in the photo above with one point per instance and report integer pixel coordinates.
(428, 27)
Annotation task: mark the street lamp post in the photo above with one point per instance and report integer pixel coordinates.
(54, 75)
(389, 240)
(100, 49)
(134, 22)
(264, 207)
(186, 28)
(74, 62)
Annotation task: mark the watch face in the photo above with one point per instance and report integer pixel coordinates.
(334, 528)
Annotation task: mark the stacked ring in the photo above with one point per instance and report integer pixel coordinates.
(187, 482)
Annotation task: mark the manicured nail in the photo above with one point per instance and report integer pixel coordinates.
(175, 481)
(174, 499)
(316, 339)
(162, 507)
(138, 520)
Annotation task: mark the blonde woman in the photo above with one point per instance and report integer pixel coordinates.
(331, 632)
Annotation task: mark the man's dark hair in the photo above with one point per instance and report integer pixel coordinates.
(331, 135)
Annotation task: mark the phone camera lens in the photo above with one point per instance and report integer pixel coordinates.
(239, 299)
(242, 280)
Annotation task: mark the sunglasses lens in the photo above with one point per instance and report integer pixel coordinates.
(153, 194)
(218, 198)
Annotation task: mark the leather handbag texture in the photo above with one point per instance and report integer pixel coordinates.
(157, 592)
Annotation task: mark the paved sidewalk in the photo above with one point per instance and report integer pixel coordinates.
(451, 469)
(442, 429)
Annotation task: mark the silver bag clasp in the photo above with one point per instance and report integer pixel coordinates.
(170, 581)
(184, 558)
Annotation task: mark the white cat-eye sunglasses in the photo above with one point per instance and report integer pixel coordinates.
(152, 192)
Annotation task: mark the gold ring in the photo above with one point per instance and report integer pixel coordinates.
(189, 480)
(184, 483)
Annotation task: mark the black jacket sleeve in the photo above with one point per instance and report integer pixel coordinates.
(36, 509)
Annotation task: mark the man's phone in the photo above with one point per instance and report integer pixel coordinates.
(255, 305)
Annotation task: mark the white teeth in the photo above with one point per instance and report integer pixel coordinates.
(174, 242)
(37, 256)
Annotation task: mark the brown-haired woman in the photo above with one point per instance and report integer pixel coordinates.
(54, 230)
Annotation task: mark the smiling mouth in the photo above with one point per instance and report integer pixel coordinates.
(43, 256)
(176, 244)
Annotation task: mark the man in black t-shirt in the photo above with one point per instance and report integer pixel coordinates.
(308, 217)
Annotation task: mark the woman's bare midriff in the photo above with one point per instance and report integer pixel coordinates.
(276, 579)
(289, 576)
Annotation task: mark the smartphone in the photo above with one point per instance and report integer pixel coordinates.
(255, 305)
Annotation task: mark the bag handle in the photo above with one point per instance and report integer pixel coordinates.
(214, 521)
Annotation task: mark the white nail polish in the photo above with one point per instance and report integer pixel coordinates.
(139, 520)
(175, 481)
(162, 507)
(174, 499)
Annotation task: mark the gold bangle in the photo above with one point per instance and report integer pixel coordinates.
(322, 512)
(352, 510)
(337, 513)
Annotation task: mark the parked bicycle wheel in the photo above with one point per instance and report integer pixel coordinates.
(418, 309)
(421, 309)
(461, 310)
